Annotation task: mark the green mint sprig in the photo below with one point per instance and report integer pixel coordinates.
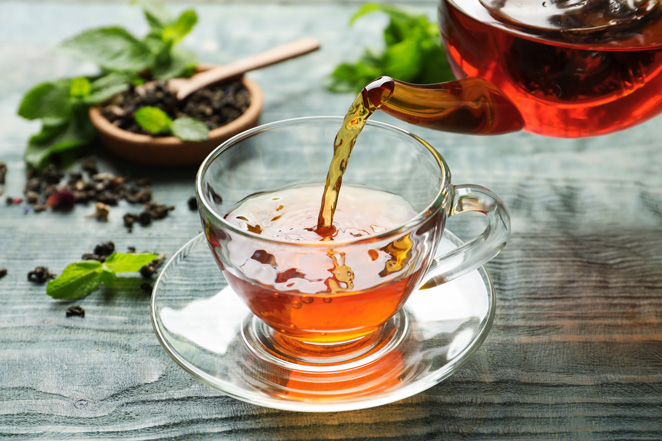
(412, 53)
(156, 121)
(62, 107)
(115, 49)
(82, 278)
(124, 60)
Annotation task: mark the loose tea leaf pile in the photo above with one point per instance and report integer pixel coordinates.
(214, 106)
(51, 190)
(123, 59)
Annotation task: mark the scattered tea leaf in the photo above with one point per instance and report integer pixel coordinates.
(77, 311)
(40, 275)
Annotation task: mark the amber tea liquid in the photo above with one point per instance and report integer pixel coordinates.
(566, 83)
(336, 294)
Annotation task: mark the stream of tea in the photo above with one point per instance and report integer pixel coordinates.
(472, 106)
(370, 99)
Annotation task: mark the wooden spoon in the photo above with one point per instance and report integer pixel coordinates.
(183, 87)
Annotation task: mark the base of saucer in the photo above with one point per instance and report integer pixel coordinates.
(203, 325)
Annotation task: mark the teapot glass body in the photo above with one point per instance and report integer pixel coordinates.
(568, 74)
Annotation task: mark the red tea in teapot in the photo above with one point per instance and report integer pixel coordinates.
(571, 68)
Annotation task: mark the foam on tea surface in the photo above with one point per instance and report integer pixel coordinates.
(291, 214)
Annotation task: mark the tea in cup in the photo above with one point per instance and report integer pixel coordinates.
(326, 296)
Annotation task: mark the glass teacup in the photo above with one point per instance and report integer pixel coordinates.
(319, 299)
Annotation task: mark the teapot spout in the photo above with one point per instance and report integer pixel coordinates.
(469, 106)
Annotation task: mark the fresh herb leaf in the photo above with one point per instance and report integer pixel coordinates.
(128, 263)
(80, 87)
(366, 8)
(405, 58)
(76, 281)
(156, 121)
(189, 129)
(47, 100)
(58, 136)
(107, 86)
(125, 60)
(156, 14)
(412, 52)
(81, 278)
(177, 63)
(112, 48)
(181, 27)
(153, 120)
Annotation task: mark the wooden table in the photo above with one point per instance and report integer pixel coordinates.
(576, 347)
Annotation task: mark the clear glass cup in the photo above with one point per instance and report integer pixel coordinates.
(305, 310)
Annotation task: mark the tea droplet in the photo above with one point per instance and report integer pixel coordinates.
(327, 299)
(307, 299)
(296, 305)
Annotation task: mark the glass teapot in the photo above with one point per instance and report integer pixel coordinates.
(565, 68)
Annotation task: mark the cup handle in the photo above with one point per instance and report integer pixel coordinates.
(480, 249)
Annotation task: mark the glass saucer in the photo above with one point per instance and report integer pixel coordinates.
(206, 329)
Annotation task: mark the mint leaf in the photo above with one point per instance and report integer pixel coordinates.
(405, 58)
(113, 48)
(156, 13)
(181, 27)
(76, 281)
(176, 63)
(47, 100)
(58, 136)
(107, 276)
(129, 262)
(80, 87)
(366, 8)
(153, 120)
(189, 129)
(108, 86)
(412, 52)
(351, 77)
(156, 46)
(81, 278)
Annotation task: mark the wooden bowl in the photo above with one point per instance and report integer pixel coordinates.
(170, 151)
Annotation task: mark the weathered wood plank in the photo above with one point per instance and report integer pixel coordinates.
(576, 347)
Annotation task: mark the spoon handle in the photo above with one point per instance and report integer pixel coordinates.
(184, 87)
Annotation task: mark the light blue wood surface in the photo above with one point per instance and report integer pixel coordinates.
(576, 348)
